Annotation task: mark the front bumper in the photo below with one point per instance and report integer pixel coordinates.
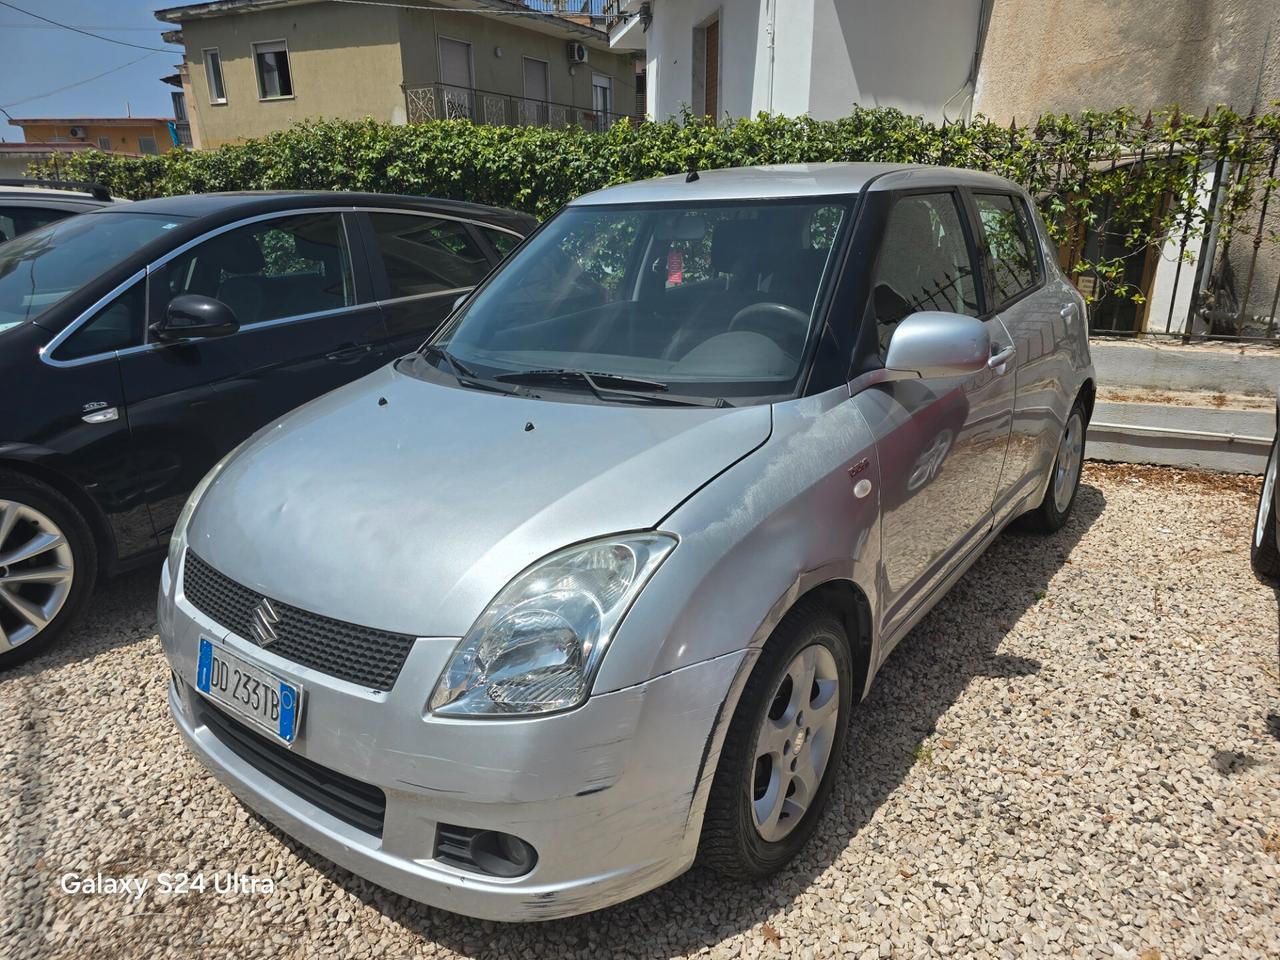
(610, 794)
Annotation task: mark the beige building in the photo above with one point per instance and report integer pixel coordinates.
(254, 66)
(1063, 56)
(114, 134)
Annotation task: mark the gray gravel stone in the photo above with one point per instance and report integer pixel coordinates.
(1075, 754)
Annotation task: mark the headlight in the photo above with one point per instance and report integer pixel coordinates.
(537, 646)
(178, 538)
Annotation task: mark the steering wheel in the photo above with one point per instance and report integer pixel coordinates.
(780, 322)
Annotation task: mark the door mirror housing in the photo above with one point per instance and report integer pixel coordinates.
(935, 344)
(190, 316)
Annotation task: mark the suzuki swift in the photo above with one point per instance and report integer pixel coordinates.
(587, 586)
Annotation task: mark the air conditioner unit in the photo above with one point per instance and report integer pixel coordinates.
(577, 53)
(77, 133)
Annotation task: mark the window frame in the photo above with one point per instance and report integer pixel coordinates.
(359, 265)
(355, 253)
(378, 271)
(988, 261)
(964, 214)
(155, 146)
(222, 80)
(257, 69)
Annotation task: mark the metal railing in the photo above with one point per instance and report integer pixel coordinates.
(442, 101)
(613, 14)
(583, 11)
(1168, 233)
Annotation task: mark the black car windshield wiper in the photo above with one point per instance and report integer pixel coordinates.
(612, 386)
(442, 353)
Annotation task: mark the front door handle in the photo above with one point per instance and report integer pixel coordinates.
(998, 360)
(349, 353)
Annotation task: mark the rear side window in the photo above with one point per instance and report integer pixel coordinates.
(427, 254)
(16, 220)
(502, 241)
(116, 326)
(1015, 256)
(924, 263)
(272, 269)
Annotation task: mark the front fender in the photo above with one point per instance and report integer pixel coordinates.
(754, 540)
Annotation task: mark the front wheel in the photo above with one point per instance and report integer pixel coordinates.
(782, 749)
(1263, 552)
(47, 566)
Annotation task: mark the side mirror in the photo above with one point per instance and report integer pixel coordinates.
(934, 344)
(191, 315)
(460, 301)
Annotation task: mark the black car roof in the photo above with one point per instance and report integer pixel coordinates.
(231, 206)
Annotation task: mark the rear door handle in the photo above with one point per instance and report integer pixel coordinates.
(1000, 359)
(349, 353)
(1069, 312)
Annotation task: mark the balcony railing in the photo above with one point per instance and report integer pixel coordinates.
(613, 14)
(442, 101)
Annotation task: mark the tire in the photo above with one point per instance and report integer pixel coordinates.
(46, 588)
(1263, 552)
(1064, 478)
(731, 842)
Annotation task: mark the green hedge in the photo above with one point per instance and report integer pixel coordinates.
(1079, 166)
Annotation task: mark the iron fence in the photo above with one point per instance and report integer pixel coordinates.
(1167, 233)
(442, 101)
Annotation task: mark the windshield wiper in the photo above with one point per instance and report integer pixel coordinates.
(646, 391)
(442, 353)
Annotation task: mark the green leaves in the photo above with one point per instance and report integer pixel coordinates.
(1140, 180)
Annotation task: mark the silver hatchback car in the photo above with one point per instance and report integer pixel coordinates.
(588, 586)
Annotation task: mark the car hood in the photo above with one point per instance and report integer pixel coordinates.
(407, 505)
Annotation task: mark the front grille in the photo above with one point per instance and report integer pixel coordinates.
(352, 801)
(362, 655)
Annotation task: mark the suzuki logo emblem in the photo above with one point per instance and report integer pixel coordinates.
(264, 623)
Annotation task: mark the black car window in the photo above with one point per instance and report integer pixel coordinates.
(1015, 258)
(502, 241)
(427, 254)
(271, 269)
(116, 326)
(18, 220)
(924, 263)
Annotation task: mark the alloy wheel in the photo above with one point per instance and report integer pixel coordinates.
(36, 572)
(793, 746)
(1066, 472)
(1267, 497)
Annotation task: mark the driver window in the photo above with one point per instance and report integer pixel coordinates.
(282, 267)
(923, 264)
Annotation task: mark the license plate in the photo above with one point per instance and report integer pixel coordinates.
(249, 692)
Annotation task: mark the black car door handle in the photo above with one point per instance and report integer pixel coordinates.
(349, 353)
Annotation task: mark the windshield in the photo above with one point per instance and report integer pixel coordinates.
(41, 267)
(711, 300)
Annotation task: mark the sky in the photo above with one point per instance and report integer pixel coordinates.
(37, 58)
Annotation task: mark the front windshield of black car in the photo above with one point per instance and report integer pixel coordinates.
(39, 268)
(709, 300)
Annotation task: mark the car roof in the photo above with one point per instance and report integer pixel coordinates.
(232, 206)
(791, 180)
(45, 193)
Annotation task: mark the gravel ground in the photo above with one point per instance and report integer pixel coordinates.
(1077, 753)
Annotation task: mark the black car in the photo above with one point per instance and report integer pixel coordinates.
(26, 204)
(141, 342)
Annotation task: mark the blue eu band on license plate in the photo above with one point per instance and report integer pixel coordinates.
(248, 691)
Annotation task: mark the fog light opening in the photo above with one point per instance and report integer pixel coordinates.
(484, 851)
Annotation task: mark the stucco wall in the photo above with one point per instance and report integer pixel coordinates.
(124, 137)
(345, 62)
(1067, 55)
(911, 54)
(505, 74)
(827, 55)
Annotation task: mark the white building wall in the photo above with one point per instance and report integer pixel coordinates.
(826, 55)
(915, 55)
